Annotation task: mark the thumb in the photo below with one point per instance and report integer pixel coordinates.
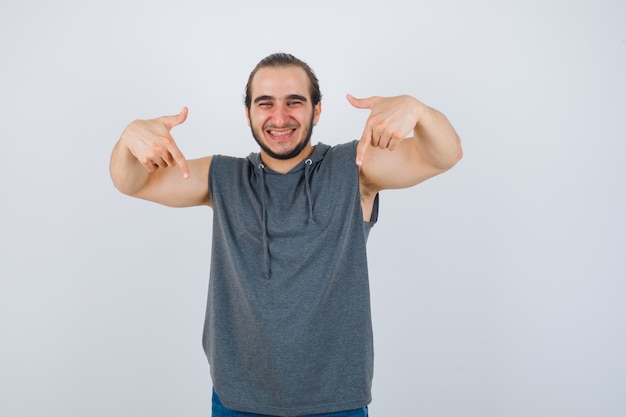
(172, 121)
(361, 103)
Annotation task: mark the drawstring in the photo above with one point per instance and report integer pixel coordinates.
(307, 173)
(266, 249)
(307, 186)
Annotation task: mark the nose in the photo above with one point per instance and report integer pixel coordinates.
(280, 116)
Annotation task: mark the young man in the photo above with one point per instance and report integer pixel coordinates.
(288, 326)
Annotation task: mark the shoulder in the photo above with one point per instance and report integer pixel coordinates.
(226, 170)
(221, 163)
(343, 153)
(346, 149)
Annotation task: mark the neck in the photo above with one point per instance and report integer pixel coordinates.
(283, 166)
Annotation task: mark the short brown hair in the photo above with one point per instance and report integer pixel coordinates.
(282, 59)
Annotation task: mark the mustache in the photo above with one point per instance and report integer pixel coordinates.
(275, 126)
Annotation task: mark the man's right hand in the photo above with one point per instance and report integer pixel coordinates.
(144, 160)
(152, 144)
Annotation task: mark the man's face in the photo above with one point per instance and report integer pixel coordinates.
(281, 115)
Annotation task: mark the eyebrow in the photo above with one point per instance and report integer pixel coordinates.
(289, 97)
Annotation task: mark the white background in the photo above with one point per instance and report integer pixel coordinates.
(498, 288)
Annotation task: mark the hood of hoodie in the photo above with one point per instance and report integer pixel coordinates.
(319, 151)
(260, 171)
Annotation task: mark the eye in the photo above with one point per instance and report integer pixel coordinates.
(294, 103)
(265, 104)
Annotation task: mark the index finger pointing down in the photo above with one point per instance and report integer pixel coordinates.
(180, 160)
(362, 146)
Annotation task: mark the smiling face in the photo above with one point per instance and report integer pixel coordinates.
(281, 114)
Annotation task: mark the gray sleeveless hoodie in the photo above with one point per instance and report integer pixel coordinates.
(288, 327)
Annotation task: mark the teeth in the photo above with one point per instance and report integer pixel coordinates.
(276, 133)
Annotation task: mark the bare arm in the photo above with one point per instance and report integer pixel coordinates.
(388, 159)
(146, 163)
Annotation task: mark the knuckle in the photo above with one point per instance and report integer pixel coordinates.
(157, 148)
(146, 161)
(168, 141)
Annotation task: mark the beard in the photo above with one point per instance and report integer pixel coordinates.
(288, 154)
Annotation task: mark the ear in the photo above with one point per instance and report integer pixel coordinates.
(316, 112)
(247, 115)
